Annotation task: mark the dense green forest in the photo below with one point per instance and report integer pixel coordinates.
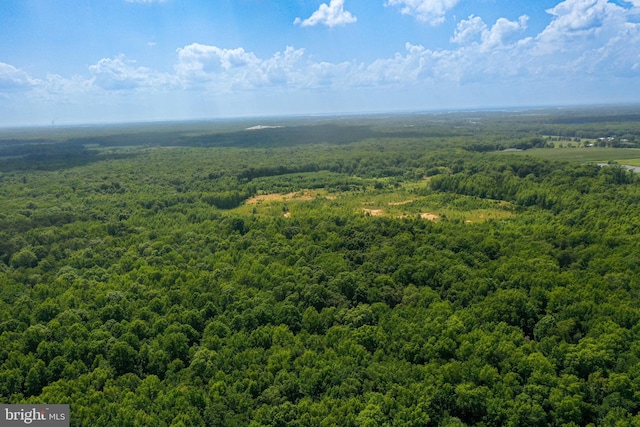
(363, 271)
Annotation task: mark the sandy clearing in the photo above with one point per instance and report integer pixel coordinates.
(260, 127)
(298, 195)
(401, 203)
(429, 216)
(374, 212)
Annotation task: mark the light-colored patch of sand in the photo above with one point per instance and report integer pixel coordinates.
(429, 216)
(274, 197)
(260, 127)
(374, 212)
(401, 203)
(305, 196)
(265, 197)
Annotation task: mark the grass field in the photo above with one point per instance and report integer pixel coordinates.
(400, 203)
(627, 156)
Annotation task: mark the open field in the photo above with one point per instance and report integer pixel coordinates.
(628, 156)
(399, 203)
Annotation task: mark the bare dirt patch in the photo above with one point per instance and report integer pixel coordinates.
(275, 197)
(374, 212)
(401, 203)
(429, 216)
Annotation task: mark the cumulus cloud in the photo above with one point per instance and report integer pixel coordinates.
(330, 15)
(468, 30)
(282, 67)
(579, 16)
(13, 79)
(227, 69)
(503, 32)
(481, 52)
(200, 59)
(579, 21)
(584, 39)
(216, 69)
(399, 69)
(121, 74)
(430, 11)
(15, 82)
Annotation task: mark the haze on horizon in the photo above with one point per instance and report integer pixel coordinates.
(147, 60)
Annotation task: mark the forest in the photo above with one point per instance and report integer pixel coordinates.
(439, 269)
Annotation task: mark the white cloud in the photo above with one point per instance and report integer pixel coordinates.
(330, 15)
(503, 32)
(430, 11)
(199, 58)
(584, 40)
(56, 85)
(211, 66)
(580, 16)
(590, 37)
(580, 21)
(587, 44)
(468, 30)
(15, 82)
(13, 79)
(227, 69)
(400, 69)
(121, 74)
(282, 67)
(215, 69)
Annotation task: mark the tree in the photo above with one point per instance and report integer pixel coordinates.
(36, 378)
(25, 258)
(123, 358)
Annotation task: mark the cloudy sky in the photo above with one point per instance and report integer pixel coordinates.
(88, 61)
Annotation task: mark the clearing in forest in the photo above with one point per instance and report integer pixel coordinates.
(373, 212)
(429, 216)
(304, 195)
(404, 202)
(399, 203)
(626, 156)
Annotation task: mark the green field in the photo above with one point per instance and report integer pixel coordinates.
(627, 156)
(401, 202)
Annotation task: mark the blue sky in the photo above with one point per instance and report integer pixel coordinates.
(91, 61)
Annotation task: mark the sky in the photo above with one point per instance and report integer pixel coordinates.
(105, 61)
